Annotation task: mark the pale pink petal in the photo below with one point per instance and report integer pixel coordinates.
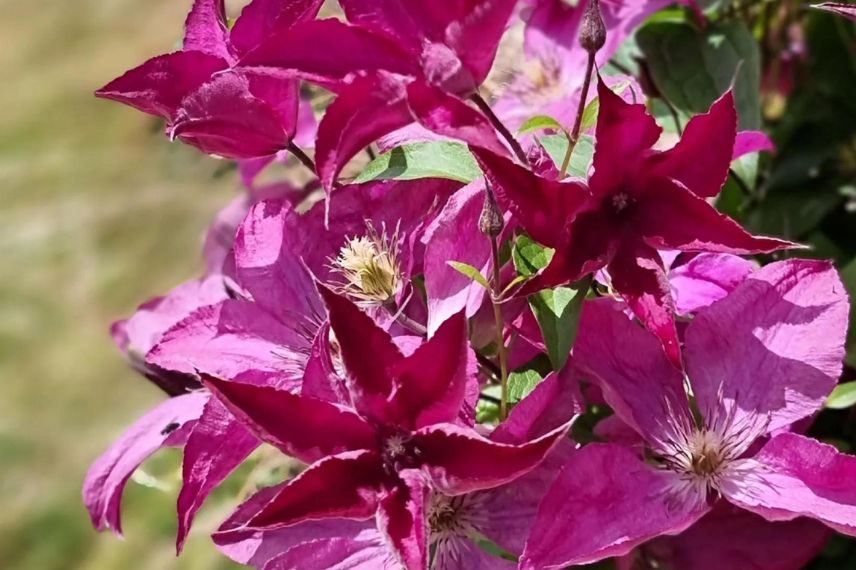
(166, 424)
(605, 502)
(365, 551)
(841, 8)
(707, 278)
(769, 353)
(459, 553)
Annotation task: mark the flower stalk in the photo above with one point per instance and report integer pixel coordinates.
(484, 107)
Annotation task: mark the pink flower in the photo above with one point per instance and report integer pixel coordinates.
(207, 103)
(637, 201)
(762, 358)
(383, 458)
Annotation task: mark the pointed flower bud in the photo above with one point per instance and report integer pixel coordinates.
(490, 220)
(592, 28)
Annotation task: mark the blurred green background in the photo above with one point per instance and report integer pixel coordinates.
(99, 212)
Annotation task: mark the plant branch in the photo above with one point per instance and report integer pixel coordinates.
(302, 157)
(500, 127)
(578, 122)
(500, 338)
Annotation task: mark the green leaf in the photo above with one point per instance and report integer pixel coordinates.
(539, 123)
(558, 314)
(470, 272)
(514, 282)
(529, 256)
(842, 397)
(581, 159)
(423, 160)
(692, 67)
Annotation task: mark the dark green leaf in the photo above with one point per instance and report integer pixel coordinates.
(558, 314)
(692, 67)
(423, 160)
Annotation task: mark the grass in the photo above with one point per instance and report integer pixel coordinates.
(99, 212)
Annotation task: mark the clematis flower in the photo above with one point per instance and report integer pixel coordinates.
(841, 8)
(728, 537)
(637, 201)
(758, 360)
(399, 443)
(389, 49)
(205, 101)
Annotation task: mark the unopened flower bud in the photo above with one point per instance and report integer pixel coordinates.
(490, 220)
(592, 28)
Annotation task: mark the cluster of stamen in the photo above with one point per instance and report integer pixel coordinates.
(399, 452)
(620, 202)
(369, 266)
(450, 517)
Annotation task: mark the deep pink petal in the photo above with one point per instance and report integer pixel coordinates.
(261, 18)
(770, 352)
(841, 8)
(545, 208)
(350, 49)
(460, 461)
(431, 384)
(365, 551)
(701, 159)
(732, 538)
(638, 276)
(321, 379)
(224, 118)
(707, 278)
(402, 519)
(303, 427)
(367, 351)
(605, 502)
(159, 85)
(461, 553)
(217, 445)
(671, 217)
(340, 486)
(553, 403)
(638, 380)
(795, 476)
(451, 117)
(475, 37)
(231, 338)
(206, 29)
(624, 133)
(368, 108)
(454, 236)
(748, 142)
(166, 424)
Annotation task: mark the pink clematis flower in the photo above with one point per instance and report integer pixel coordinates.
(637, 201)
(385, 60)
(758, 360)
(841, 8)
(382, 459)
(205, 101)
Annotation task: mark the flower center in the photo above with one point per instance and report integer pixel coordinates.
(701, 458)
(398, 452)
(452, 516)
(369, 266)
(620, 202)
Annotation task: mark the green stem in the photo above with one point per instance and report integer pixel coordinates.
(500, 339)
(500, 127)
(575, 132)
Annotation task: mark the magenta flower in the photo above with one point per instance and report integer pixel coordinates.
(384, 458)
(207, 103)
(841, 8)
(638, 201)
(388, 50)
(759, 360)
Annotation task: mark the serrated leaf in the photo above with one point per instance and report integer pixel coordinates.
(558, 314)
(581, 159)
(413, 161)
(471, 272)
(540, 123)
(842, 397)
(692, 67)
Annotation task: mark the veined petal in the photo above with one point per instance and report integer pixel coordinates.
(701, 159)
(671, 217)
(340, 486)
(461, 553)
(639, 277)
(605, 502)
(430, 385)
(638, 380)
(794, 476)
(261, 18)
(401, 518)
(841, 8)
(707, 278)
(769, 353)
(206, 29)
(545, 208)
(158, 86)
(218, 444)
(365, 551)
(166, 424)
(460, 461)
(624, 132)
(303, 427)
